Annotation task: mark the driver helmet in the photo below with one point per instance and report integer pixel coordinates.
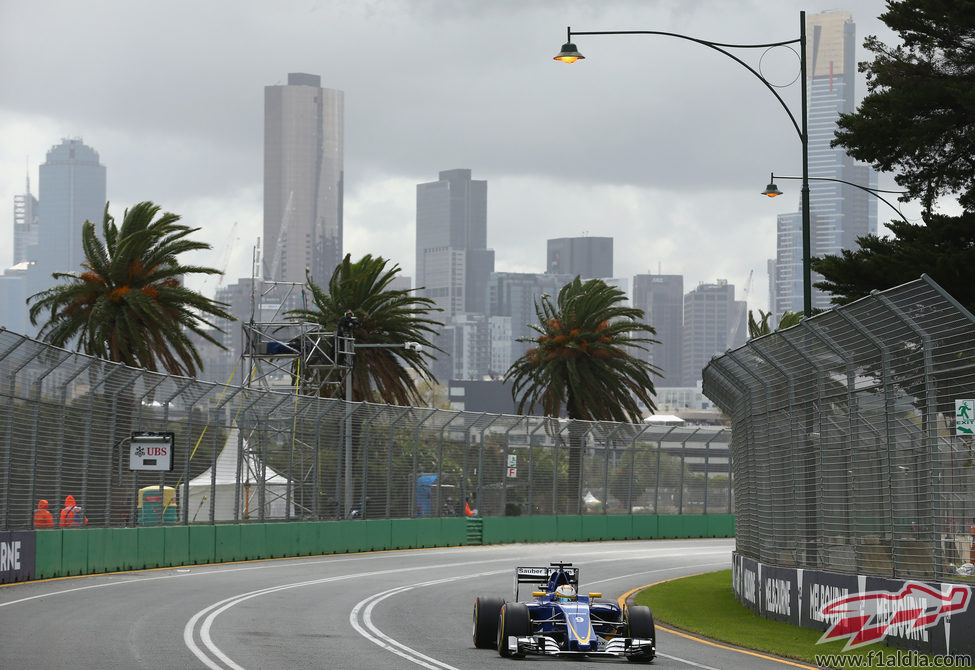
(565, 593)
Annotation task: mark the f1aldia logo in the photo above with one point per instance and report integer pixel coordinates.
(868, 617)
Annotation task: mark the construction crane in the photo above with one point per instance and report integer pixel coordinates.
(740, 314)
(224, 261)
(226, 254)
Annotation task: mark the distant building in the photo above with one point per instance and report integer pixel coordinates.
(303, 179)
(502, 345)
(467, 338)
(239, 305)
(514, 295)
(678, 400)
(13, 298)
(493, 396)
(713, 323)
(661, 297)
(621, 283)
(453, 262)
(26, 224)
(839, 213)
(588, 257)
(71, 190)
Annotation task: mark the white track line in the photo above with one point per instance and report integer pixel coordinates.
(216, 655)
(376, 636)
(372, 633)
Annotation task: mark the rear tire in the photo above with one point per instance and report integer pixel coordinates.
(639, 623)
(513, 620)
(487, 609)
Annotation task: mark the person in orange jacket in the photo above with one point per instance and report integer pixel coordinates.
(467, 508)
(72, 516)
(42, 515)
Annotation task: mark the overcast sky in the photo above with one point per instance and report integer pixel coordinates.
(657, 142)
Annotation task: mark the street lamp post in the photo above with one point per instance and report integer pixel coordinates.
(570, 54)
(772, 190)
(349, 351)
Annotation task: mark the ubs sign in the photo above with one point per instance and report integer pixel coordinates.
(151, 451)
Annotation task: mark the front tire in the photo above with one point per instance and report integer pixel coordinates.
(487, 609)
(513, 620)
(639, 623)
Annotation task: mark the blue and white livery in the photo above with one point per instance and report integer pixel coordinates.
(560, 622)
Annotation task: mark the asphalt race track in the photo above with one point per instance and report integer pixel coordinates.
(402, 609)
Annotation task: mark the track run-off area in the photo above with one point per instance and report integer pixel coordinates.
(396, 609)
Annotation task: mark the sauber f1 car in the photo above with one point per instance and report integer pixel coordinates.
(560, 622)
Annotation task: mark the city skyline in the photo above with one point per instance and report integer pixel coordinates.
(675, 184)
(839, 214)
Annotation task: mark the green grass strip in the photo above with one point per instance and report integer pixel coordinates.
(706, 605)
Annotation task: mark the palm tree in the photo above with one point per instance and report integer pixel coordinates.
(391, 317)
(581, 363)
(580, 359)
(760, 326)
(129, 305)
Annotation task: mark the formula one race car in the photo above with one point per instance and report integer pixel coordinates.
(560, 622)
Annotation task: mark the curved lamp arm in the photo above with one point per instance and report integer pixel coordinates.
(717, 46)
(772, 190)
(570, 54)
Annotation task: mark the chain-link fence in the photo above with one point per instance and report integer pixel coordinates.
(847, 453)
(252, 453)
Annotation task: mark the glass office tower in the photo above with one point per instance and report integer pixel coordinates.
(839, 213)
(303, 179)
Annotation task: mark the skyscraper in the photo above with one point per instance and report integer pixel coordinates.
(661, 297)
(453, 262)
(25, 223)
(588, 257)
(71, 191)
(839, 213)
(713, 323)
(303, 179)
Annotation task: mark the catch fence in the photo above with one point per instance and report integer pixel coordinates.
(255, 453)
(847, 453)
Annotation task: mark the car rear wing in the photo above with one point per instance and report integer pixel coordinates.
(542, 576)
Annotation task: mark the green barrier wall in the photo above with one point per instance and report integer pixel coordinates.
(47, 552)
(61, 553)
(226, 543)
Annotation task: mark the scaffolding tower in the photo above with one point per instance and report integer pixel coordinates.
(295, 358)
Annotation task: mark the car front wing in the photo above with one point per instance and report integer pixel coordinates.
(619, 647)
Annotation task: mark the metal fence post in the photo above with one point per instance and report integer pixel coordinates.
(416, 454)
(480, 463)
(504, 458)
(929, 431)
(389, 460)
(316, 477)
(629, 483)
(443, 428)
(889, 437)
(531, 468)
(606, 450)
(35, 433)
